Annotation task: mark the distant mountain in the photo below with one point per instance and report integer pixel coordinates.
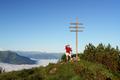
(40, 55)
(13, 58)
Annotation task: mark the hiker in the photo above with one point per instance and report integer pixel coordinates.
(68, 52)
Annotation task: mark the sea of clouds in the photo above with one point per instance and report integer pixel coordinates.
(40, 62)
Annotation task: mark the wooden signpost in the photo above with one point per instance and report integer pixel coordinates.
(76, 28)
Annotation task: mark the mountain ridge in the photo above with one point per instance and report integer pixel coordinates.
(14, 58)
(40, 55)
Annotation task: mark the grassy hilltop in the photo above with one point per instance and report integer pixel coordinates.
(96, 63)
(83, 70)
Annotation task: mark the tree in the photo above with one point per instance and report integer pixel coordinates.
(106, 55)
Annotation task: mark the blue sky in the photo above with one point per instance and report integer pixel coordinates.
(42, 25)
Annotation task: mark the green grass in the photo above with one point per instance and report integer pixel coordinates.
(83, 70)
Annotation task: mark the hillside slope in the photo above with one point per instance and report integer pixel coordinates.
(82, 70)
(40, 55)
(14, 58)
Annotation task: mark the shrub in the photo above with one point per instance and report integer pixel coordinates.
(103, 54)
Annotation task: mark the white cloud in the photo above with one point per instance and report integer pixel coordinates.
(13, 67)
(2, 49)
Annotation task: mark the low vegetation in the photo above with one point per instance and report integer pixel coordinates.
(83, 70)
(105, 55)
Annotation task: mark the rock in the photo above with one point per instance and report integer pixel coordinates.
(52, 71)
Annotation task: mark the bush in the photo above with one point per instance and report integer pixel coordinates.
(103, 54)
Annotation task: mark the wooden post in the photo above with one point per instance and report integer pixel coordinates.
(77, 38)
(76, 29)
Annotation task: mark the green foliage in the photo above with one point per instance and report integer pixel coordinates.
(103, 54)
(83, 70)
(63, 58)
